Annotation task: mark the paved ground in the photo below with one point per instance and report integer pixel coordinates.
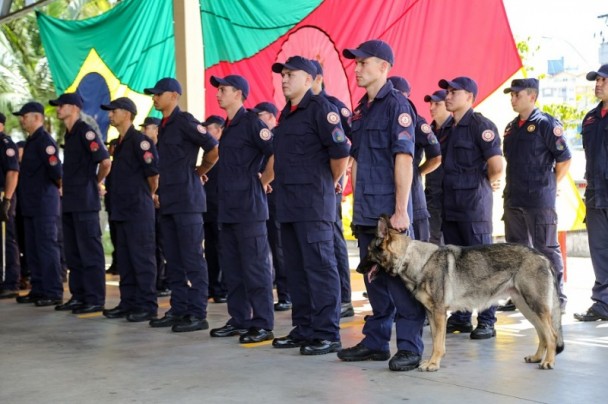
(54, 357)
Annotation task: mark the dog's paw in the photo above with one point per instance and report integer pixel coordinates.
(532, 359)
(428, 366)
(546, 365)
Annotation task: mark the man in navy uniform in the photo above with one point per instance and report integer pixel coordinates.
(346, 306)
(383, 131)
(182, 203)
(243, 211)
(426, 145)
(538, 158)
(38, 195)
(267, 112)
(217, 285)
(433, 190)
(595, 142)
(9, 176)
(311, 154)
(136, 173)
(86, 163)
(473, 166)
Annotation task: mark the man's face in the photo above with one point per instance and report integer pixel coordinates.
(295, 83)
(522, 100)
(65, 111)
(151, 131)
(268, 118)
(29, 122)
(228, 96)
(317, 84)
(164, 100)
(215, 130)
(437, 109)
(118, 117)
(369, 70)
(457, 99)
(601, 88)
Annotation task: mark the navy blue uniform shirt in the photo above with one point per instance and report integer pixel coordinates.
(180, 137)
(9, 157)
(246, 142)
(595, 143)
(467, 194)
(41, 172)
(345, 114)
(305, 140)
(83, 151)
(135, 159)
(531, 152)
(211, 194)
(434, 180)
(380, 130)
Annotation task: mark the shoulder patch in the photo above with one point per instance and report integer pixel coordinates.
(201, 129)
(345, 112)
(53, 160)
(50, 150)
(426, 128)
(405, 135)
(559, 144)
(488, 135)
(558, 131)
(93, 146)
(10, 152)
(404, 120)
(144, 145)
(338, 135)
(90, 135)
(333, 118)
(531, 128)
(148, 157)
(432, 139)
(265, 134)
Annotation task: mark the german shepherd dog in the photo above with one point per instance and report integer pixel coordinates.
(468, 278)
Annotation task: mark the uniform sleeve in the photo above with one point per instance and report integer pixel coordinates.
(487, 138)
(330, 131)
(147, 155)
(49, 154)
(402, 127)
(93, 144)
(345, 118)
(262, 137)
(10, 156)
(555, 140)
(426, 139)
(196, 133)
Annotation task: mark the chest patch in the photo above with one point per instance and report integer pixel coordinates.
(404, 120)
(333, 118)
(488, 135)
(531, 128)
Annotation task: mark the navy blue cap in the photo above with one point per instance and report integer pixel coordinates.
(401, 84)
(602, 72)
(150, 120)
(164, 85)
(266, 107)
(67, 99)
(121, 103)
(296, 63)
(317, 66)
(211, 119)
(31, 106)
(2, 118)
(521, 84)
(234, 80)
(460, 83)
(437, 96)
(375, 47)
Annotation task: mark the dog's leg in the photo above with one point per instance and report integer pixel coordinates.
(550, 339)
(438, 322)
(539, 324)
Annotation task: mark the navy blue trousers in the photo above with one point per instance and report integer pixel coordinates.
(85, 257)
(217, 286)
(313, 279)
(597, 229)
(135, 245)
(245, 261)
(42, 250)
(342, 253)
(12, 266)
(278, 259)
(183, 236)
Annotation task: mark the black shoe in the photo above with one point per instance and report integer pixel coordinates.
(190, 323)
(219, 299)
(163, 292)
(138, 317)
(116, 312)
(288, 342)
(346, 310)
(483, 331)
(453, 327)
(360, 352)
(86, 309)
(365, 295)
(8, 294)
(590, 315)
(168, 320)
(44, 302)
(404, 360)
(508, 306)
(282, 305)
(29, 298)
(228, 331)
(70, 305)
(256, 335)
(320, 347)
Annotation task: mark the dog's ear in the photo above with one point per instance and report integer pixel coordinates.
(384, 224)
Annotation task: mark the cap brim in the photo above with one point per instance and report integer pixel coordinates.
(445, 84)
(278, 67)
(217, 81)
(108, 107)
(593, 75)
(55, 103)
(18, 113)
(153, 91)
(355, 53)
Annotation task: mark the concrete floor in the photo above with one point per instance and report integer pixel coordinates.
(55, 357)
